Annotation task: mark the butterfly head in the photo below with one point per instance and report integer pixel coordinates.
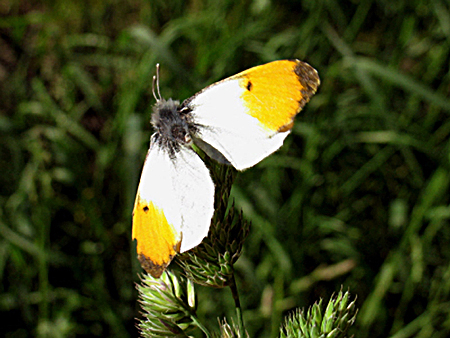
(170, 124)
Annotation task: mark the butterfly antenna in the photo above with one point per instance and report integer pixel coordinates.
(153, 88)
(156, 81)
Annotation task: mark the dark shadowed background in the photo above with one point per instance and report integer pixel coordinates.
(357, 197)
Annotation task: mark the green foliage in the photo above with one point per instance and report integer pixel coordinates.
(169, 306)
(334, 322)
(358, 196)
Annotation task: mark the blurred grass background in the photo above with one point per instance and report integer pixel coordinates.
(357, 197)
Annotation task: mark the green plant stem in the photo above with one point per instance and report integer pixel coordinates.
(237, 304)
(200, 326)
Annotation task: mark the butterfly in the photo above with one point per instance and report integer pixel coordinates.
(238, 121)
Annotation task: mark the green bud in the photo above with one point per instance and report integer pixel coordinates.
(334, 322)
(168, 306)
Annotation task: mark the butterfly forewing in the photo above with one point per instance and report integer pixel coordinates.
(173, 208)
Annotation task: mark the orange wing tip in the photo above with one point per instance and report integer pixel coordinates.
(310, 81)
(276, 92)
(157, 240)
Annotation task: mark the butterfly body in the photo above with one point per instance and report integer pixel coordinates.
(172, 127)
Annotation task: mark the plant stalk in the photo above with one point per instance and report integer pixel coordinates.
(200, 326)
(237, 304)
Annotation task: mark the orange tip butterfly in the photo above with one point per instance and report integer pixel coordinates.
(238, 121)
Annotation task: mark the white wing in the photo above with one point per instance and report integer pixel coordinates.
(224, 123)
(246, 117)
(181, 190)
